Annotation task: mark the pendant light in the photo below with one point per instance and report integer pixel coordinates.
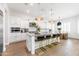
(59, 23)
(39, 17)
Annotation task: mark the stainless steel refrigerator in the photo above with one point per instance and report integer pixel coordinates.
(1, 32)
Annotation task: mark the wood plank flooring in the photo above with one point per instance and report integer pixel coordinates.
(68, 47)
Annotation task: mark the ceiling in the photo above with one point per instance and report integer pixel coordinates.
(62, 10)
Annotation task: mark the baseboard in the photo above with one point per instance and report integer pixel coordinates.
(73, 38)
(17, 41)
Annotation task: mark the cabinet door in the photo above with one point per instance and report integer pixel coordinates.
(19, 37)
(14, 22)
(24, 24)
(12, 37)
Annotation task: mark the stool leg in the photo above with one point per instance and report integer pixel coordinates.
(40, 50)
(41, 46)
(48, 43)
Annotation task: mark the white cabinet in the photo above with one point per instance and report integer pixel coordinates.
(17, 22)
(14, 22)
(14, 37)
(24, 24)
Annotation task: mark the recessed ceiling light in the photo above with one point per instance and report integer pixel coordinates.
(31, 4)
(27, 4)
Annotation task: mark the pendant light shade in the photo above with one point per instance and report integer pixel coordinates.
(59, 23)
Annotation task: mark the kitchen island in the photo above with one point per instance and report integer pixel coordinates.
(35, 39)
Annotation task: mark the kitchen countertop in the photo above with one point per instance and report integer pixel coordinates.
(40, 34)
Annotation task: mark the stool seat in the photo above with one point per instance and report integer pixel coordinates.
(40, 38)
(48, 36)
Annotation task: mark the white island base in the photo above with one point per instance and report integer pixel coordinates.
(32, 45)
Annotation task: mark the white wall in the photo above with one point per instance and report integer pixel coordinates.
(73, 26)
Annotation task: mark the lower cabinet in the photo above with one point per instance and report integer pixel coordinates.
(15, 37)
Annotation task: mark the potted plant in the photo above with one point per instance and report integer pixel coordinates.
(38, 29)
(33, 24)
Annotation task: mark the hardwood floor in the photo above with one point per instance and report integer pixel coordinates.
(68, 47)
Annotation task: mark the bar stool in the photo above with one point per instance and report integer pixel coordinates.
(54, 36)
(58, 38)
(41, 42)
(48, 40)
(51, 39)
(45, 40)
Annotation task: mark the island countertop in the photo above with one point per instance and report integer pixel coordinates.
(41, 34)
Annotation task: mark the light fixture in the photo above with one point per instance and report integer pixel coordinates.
(27, 4)
(59, 23)
(51, 13)
(38, 18)
(31, 4)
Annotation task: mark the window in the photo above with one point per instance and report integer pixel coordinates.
(78, 27)
(65, 27)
